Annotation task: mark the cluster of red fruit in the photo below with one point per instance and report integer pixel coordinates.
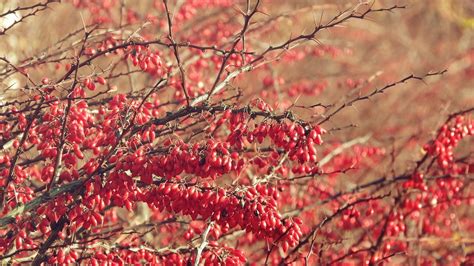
(253, 209)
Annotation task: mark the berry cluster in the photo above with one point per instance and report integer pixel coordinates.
(254, 210)
(448, 138)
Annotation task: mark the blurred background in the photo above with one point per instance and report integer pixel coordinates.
(341, 63)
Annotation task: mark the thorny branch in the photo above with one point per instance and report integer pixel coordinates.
(190, 120)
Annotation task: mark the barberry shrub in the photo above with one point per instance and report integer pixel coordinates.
(224, 132)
